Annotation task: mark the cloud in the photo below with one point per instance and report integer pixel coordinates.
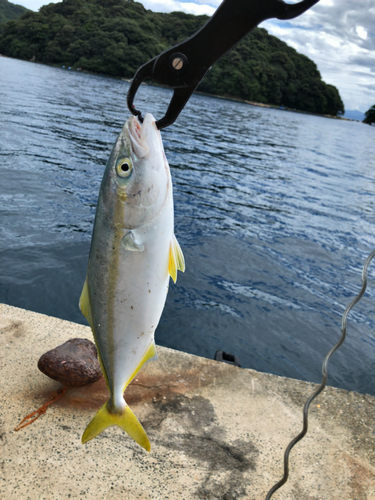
(197, 9)
(339, 36)
(34, 4)
(365, 60)
(211, 3)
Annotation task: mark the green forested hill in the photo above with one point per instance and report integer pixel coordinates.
(117, 36)
(9, 11)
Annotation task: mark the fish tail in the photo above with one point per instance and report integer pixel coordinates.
(125, 420)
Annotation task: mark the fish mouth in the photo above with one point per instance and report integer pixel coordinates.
(137, 138)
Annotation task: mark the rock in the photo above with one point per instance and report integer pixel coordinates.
(74, 363)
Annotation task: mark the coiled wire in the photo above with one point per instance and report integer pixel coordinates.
(294, 441)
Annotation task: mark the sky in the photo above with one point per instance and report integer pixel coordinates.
(338, 35)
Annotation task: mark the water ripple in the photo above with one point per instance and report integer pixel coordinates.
(274, 211)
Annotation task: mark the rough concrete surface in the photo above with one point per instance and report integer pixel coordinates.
(217, 431)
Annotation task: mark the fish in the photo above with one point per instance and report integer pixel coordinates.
(133, 254)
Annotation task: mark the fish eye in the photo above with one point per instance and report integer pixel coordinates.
(124, 167)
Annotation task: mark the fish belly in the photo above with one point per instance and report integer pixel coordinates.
(127, 292)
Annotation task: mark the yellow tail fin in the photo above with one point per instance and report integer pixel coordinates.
(126, 421)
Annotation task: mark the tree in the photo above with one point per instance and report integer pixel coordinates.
(9, 11)
(370, 115)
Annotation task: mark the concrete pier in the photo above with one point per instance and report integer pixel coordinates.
(216, 431)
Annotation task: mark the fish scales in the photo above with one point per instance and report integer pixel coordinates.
(133, 253)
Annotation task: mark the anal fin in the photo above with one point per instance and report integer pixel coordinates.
(84, 304)
(150, 355)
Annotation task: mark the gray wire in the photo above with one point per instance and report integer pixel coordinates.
(284, 479)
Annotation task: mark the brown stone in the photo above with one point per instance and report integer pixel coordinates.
(74, 363)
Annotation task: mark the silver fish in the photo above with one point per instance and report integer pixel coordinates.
(133, 253)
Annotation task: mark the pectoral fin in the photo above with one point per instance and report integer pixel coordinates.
(130, 243)
(176, 259)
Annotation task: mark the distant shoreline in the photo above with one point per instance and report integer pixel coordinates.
(226, 97)
(274, 106)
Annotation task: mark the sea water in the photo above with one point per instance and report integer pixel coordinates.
(274, 210)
